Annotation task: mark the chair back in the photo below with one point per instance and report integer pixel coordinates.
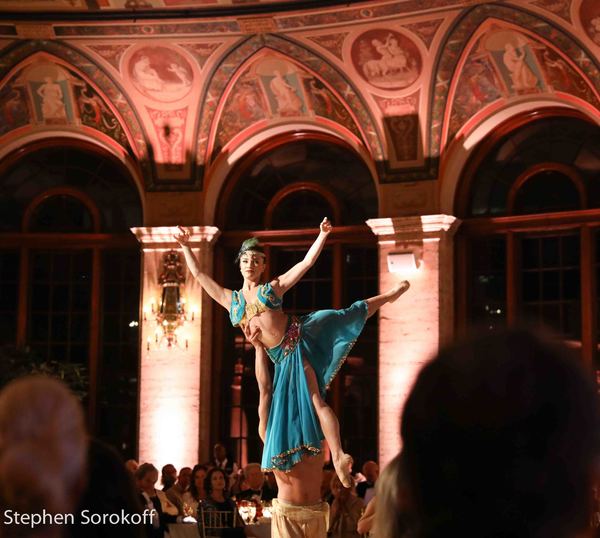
(211, 522)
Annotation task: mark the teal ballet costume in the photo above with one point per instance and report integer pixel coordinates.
(324, 338)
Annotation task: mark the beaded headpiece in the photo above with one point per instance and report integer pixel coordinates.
(252, 244)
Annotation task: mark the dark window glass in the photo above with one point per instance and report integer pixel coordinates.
(551, 288)
(9, 286)
(118, 365)
(58, 323)
(487, 282)
(358, 377)
(545, 192)
(335, 168)
(570, 142)
(61, 214)
(300, 209)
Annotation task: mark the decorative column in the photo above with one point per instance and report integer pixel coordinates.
(175, 368)
(412, 328)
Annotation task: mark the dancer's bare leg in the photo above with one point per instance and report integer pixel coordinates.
(265, 390)
(375, 303)
(330, 426)
(263, 379)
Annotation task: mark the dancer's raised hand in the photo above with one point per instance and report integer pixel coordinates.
(183, 237)
(325, 226)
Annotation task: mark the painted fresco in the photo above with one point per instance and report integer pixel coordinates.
(49, 94)
(14, 106)
(386, 59)
(505, 64)
(281, 82)
(94, 113)
(272, 89)
(515, 59)
(331, 42)
(589, 14)
(426, 30)
(401, 123)
(169, 126)
(301, 55)
(562, 8)
(160, 73)
(201, 51)
(111, 53)
(247, 107)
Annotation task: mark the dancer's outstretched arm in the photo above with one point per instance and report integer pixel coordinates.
(284, 282)
(263, 378)
(215, 291)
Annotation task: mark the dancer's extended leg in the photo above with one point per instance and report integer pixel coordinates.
(265, 390)
(375, 303)
(330, 426)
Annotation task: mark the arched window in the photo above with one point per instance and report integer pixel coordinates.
(281, 193)
(69, 275)
(527, 246)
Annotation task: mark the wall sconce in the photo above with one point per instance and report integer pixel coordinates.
(170, 313)
(402, 262)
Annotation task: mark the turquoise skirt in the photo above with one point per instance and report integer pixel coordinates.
(324, 338)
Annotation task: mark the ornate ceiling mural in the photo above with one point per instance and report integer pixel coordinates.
(51, 95)
(518, 57)
(273, 89)
(402, 77)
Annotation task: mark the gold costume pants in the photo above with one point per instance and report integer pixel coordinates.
(293, 521)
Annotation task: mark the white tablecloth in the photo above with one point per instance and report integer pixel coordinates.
(183, 530)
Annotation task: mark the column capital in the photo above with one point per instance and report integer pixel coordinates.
(415, 228)
(161, 237)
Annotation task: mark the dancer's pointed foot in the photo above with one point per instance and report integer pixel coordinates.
(343, 468)
(398, 290)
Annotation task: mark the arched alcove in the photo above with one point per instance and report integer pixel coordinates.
(280, 191)
(527, 249)
(70, 275)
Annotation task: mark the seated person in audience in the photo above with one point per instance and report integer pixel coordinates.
(153, 499)
(195, 492)
(168, 476)
(257, 488)
(384, 514)
(501, 437)
(217, 499)
(110, 489)
(346, 509)
(366, 489)
(131, 466)
(223, 460)
(43, 445)
(175, 492)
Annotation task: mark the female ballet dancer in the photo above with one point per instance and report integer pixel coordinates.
(307, 350)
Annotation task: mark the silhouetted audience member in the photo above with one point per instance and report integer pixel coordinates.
(132, 466)
(346, 510)
(257, 489)
(501, 438)
(110, 490)
(365, 490)
(168, 476)
(388, 505)
(176, 491)
(223, 460)
(42, 453)
(153, 499)
(196, 491)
